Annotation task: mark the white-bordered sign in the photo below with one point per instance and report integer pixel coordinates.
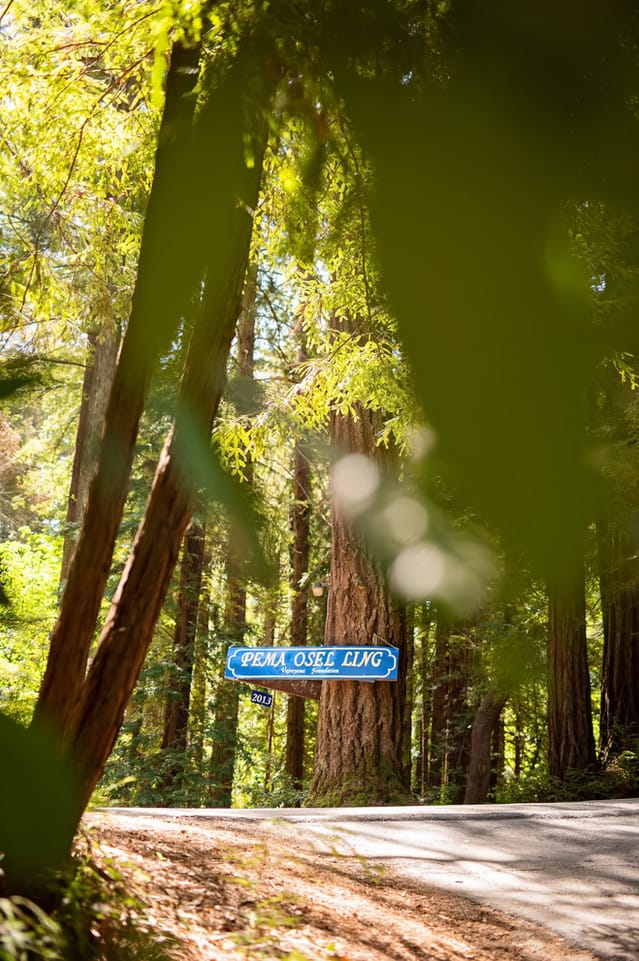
(262, 697)
(361, 663)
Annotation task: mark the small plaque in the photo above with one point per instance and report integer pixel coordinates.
(262, 697)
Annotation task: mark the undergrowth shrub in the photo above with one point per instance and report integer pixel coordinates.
(618, 779)
(86, 912)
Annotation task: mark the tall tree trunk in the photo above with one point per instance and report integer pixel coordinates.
(424, 718)
(138, 600)
(571, 743)
(96, 386)
(450, 741)
(359, 750)
(300, 548)
(178, 695)
(439, 710)
(498, 757)
(458, 718)
(407, 762)
(167, 274)
(227, 702)
(197, 704)
(519, 740)
(481, 743)
(619, 579)
(270, 734)
(270, 624)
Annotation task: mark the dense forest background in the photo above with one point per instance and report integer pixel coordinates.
(299, 297)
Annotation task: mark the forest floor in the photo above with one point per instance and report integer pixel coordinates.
(232, 890)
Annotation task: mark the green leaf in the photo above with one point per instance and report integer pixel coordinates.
(491, 306)
(38, 802)
(201, 464)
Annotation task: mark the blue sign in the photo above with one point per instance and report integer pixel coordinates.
(262, 697)
(363, 663)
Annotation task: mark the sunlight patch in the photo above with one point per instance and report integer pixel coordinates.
(355, 480)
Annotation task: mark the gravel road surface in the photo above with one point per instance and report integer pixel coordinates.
(571, 867)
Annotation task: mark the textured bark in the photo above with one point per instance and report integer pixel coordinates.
(481, 746)
(619, 579)
(570, 736)
(176, 716)
(96, 386)
(164, 281)
(359, 750)
(136, 605)
(300, 548)
(138, 601)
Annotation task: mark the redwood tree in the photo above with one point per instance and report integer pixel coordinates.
(450, 744)
(481, 746)
(227, 122)
(164, 286)
(619, 576)
(359, 750)
(571, 745)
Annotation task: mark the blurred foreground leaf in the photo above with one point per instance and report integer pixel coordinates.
(38, 802)
(472, 171)
(204, 472)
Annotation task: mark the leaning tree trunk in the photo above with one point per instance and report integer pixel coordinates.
(571, 745)
(96, 386)
(359, 750)
(481, 742)
(167, 274)
(136, 605)
(619, 579)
